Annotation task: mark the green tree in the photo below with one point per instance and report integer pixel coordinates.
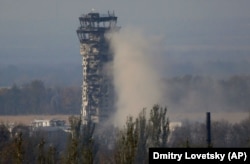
(4, 135)
(158, 127)
(73, 147)
(4, 144)
(41, 152)
(127, 143)
(88, 142)
(81, 145)
(142, 128)
(52, 155)
(19, 150)
(140, 134)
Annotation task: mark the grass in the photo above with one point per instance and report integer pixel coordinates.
(27, 119)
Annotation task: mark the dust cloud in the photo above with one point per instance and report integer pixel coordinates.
(134, 72)
(139, 66)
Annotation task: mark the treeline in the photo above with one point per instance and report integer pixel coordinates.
(223, 134)
(186, 93)
(36, 98)
(89, 143)
(99, 143)
(197, 93)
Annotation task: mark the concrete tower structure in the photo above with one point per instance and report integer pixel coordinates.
(97, 87)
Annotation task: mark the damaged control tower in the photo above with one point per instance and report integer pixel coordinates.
(97, 87)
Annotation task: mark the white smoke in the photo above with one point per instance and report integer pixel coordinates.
(135, 73)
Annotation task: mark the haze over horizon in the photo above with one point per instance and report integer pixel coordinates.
(198, 37)
(208, 38)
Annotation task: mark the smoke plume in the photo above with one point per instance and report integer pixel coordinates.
(134, 72)
(139, 72)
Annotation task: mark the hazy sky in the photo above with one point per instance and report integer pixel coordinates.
(36, 31)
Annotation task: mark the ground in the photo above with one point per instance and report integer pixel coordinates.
(27, 119)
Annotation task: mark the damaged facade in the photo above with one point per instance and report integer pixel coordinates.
(97, 88)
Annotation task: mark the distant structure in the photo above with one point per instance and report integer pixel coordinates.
(49, 125)
(97, 87)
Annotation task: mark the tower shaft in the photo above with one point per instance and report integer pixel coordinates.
(97, 88)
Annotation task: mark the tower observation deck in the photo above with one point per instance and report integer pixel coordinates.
(97, 87)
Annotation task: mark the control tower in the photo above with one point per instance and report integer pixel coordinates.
(97, 87)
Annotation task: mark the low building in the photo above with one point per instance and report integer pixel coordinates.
(49, 125)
